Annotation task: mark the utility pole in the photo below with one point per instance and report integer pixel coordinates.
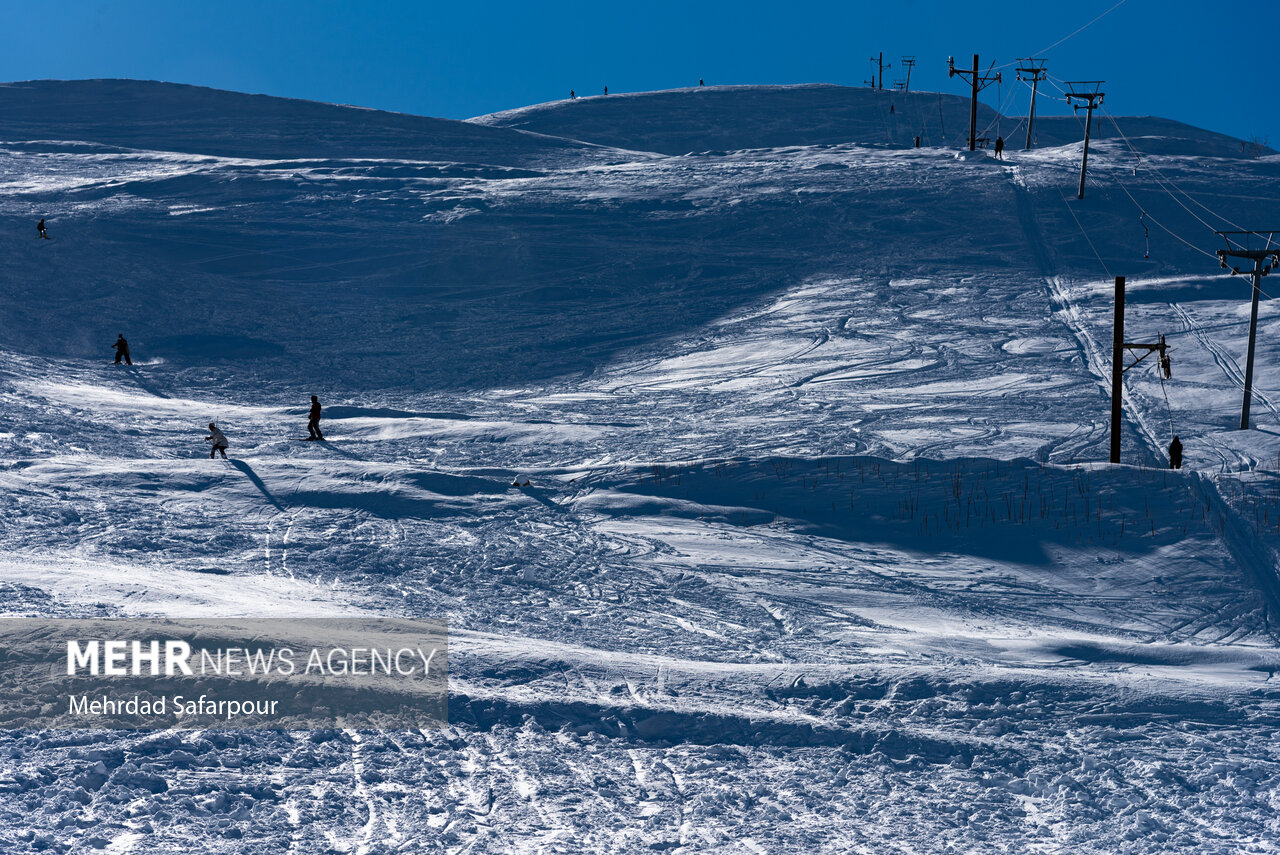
(1119, 369)
(878, 62)
(1264, 260)
(1092, 99)
(908, 62)
(1034, 68)
(977, 82)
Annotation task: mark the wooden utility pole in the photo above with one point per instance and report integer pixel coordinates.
(1034, 68)
(977, 82)
(878, 61)
(1118, 368)
(909, 63)
(1264, 260)
(1092, 100)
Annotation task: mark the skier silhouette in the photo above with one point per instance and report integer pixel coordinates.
(572, 95)
(1000, 147)
(890, 109)
(1175, 454)
(313, 422)
(606, 90)
(40, 230)
(122, 350)
(219, 441)
(700, 83)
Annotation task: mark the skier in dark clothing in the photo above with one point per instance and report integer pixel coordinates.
(572, 95)
(1000, 147)
(700, 83)
(122, 350)
(313, 422)
(40, 230)
(1175, 454)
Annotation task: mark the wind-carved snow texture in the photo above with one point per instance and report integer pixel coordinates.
(816, 553)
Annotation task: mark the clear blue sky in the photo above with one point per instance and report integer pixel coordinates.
(1210, 64)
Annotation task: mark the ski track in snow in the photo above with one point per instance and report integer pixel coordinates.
(815, 555)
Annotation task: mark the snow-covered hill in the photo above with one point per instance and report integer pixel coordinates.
(727, 118)
(169, 117)
(818, 552)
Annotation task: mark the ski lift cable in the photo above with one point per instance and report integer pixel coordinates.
(1055, 83)
(1167, 408)
(1166, 178)
(1196, 216)
(1147, 214)
(1000, 110)
(1144, 214)
(1088, 239)
(1071, 35)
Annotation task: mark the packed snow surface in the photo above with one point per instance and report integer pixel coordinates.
(817, 553)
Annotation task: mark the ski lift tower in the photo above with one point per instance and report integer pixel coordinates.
(1088, 92)
(977, 82)
(1031, 69)
(907, 62)
(1264, 261)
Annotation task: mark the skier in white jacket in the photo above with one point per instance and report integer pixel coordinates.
(219, 441)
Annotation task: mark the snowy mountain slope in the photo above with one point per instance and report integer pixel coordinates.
(171, 117)
(816, 554)
(727, 118)
(424, 274)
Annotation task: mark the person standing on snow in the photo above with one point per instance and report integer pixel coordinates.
(40, 230)
(122, 350)
(219, 441)
(1175, 454)
(313, 422)
(1000, 147)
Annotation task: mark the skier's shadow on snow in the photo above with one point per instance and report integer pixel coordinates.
(149, 388)
(342, 452)
(257, 482)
